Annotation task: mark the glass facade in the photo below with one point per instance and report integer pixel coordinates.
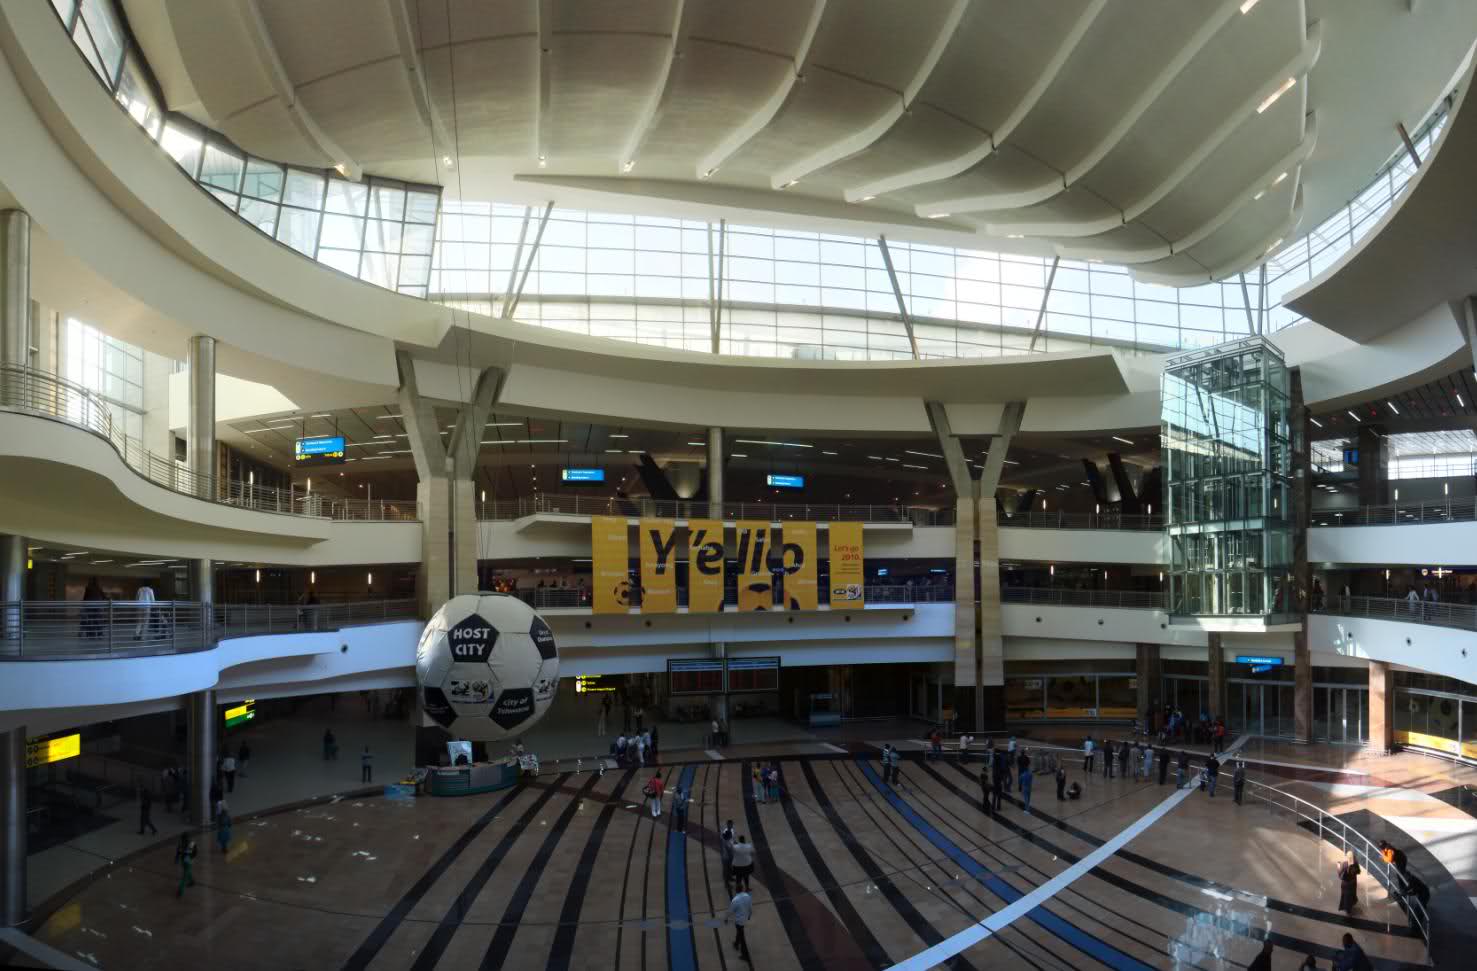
(1224, 435)
(1437, 713)
(109, 367)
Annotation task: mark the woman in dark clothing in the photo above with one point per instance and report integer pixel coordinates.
(1348, 883)
(92, 617)
(1263, 960)
(1061, 783)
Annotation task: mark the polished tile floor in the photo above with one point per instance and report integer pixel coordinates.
(571, 872)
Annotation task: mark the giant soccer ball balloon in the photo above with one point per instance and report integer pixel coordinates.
(486, 667)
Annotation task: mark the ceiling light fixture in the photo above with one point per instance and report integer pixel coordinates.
(866, 198)
(824, 452)
(1246, 7)
(383, 417)
(927, 455)
(697, 443)
(1459, 401)
(446, 160)
(908, 466)
(1275, 243)
(757, 441)
(542, 162)
(939, 215)
(738, 455)
(1354, 416)
(1271, 99)
(613, 451)
(875, 458)
(628, 165)
(790, 183)
(341, 169)
(1015, 235)
(618, 435)
(1316, 422)
(1258, 195)
(709, 174)
(1278, 180)
(1120, 438)
(1392, 407)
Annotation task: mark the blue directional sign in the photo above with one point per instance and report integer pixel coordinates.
(582, 475)
(786, 481)
(319, 449)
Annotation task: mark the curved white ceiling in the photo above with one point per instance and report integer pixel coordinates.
(1142, 132)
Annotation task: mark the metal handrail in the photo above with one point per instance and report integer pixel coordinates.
(1068, 597)
(576, 597)
(1351, 838)
(1045, 519)
(774, 512)
(1401, 609)
(29, 391)
(63, 629)
(1399, 514)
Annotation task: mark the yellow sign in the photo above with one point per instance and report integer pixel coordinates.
(1448, 745)
(590, 683)
(658, 539)
(43, 751)
(847, 581)
(610, 564)
(798, 559)
(753, 541)
(704, 566)
(243, 712)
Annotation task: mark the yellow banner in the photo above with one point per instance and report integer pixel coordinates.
(755, 584)
(704, 566)
(1448, 745)
(610, 564)
(658, 539)
(798, 560)
(41, 751)
(847, 581)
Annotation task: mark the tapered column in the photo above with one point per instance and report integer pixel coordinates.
(15, 351)
(13, 827)
(1216, 701)
(1381, 707)
(12, 585)
(1146, 673)
(201, 711)
(200, 449)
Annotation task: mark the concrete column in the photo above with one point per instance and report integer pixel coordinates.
(1374, 468)
(13, 827)
(12, 584)
(1150, 684)
(200, 447)
(200, 708)
(1381, 707)
(717, 704)
(15, 288)
(1216, 699)
(991, 693)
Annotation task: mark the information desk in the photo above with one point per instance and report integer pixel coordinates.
(465, 780)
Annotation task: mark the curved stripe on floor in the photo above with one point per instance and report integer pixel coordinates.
(1070, 933)
(681, 947)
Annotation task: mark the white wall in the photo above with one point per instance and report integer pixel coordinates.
(1429, 544)
(1145, 547)
(1440, 650)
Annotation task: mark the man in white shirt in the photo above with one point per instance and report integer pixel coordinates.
(145, 597)
(228, 769)
(1087, 755)
(743, 863)
(740, 909)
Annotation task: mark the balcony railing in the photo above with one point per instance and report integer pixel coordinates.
(1434, 613)
(58, 630)
(38, 393)
(1399, 514)
(576, 597)
(824, 512)
(1067, 597)
(1042, 519)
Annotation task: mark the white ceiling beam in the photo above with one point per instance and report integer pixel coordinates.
(661, 92)
(760, 119)
(1047, 188)
(1245, 116)
(1252, 255)
(991, 140)
(415, 80)
(276, 73)
(861, 140)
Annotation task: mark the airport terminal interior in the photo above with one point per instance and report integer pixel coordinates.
(696, 485)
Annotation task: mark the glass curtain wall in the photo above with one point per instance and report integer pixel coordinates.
(111, 368)
(1224, 432)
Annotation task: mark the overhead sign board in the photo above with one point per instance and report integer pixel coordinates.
(582, 475)
(785, 481)
(43, 751)
(319, 450)
(241, 714)
(1258, 659)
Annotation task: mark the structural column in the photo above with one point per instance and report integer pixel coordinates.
(1374, 467)
(200, 707)
(1302, 572)
(15, 352)
(13, 827)
(1149, 683)
(200, 441)
(446, 486)
(1381, 707)
(1216, 699)
(717, 704)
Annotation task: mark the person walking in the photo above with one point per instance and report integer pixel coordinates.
(725, 842)
(1061, 783)
(653, 792)
(757, 776)
(740, 910)
(216, 796)
(1220, 736)
(1263, 960)
(1087, 756)
(146, 600)
(985, 789)
(1352, 957)
(1212, 773)
(223, 828)
(1163, 764)
(997, 783)
(743, 862)
(679, 809)
(774, 781)
(1238, 781)
(641, 749)
(620, 750)
(228, 769)
(1182, 766)
(1107, 759)
(330, 744)
(184, 855)
(653, 742)
(1026, 779)
(243, 756)
(366, 765)
(145, 810)
(1348, 871)
(886, 763)
(169, 780)
(640, 719)
(600, 720)
(1148, 762)
(1124, 756)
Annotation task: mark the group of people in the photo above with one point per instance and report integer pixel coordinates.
(737, 854)
(637, 750)
(1350, 957)
(1173, 726)
(766, 781)
(1009, 765)
(1140, 758)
